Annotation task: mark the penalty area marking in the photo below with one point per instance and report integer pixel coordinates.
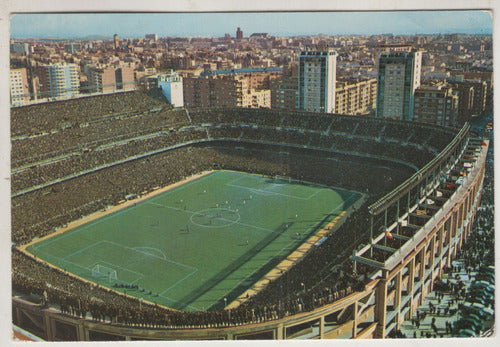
(151, 248)
(270, 192)
(179, 282)
(150, 255)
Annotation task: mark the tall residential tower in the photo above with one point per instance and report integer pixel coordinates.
(317, 75)
(398, 78)
(59, 81)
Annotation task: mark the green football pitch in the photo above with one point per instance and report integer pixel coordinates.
(195, 245)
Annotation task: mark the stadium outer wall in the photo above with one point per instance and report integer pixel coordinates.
(384, 304)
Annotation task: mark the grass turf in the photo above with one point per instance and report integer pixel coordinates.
(192, 246)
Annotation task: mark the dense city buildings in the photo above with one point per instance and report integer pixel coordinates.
(356, 97)
(125, 79)
(225, 91)
(261, 70)
(284, 91)
(480, 95)
(110, 79)
(465, 101)
(436, 104)
(398, 77)
(475, 74)
(101, 79)
(197, 92)
(72, 47)
(20, 47)
(152, 37)
(231, 88)
(317, 78)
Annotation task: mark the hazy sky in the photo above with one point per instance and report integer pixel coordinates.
(279, 23)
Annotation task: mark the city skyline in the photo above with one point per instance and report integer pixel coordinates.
(134, 25)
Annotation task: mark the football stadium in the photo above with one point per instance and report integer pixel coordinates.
(193, 223)
(132, 220)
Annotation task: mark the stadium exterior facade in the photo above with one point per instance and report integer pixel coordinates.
(397, 277)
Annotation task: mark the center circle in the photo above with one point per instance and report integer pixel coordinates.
(215, 217)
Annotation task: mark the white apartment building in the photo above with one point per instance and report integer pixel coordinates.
(398, 78)
(59, 81)
(317, 76)
(19, 91)
(171, 86)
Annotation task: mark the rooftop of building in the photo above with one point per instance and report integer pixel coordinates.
(434, 86)
(326, 51)
(259, 35)
(238, 71)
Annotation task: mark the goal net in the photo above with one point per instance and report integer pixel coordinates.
(103, 272)
(283, 179)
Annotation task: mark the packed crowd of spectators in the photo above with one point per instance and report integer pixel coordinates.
(83, 136)
(107, 140)
(308, 284)
(42, 118)
(109, 154)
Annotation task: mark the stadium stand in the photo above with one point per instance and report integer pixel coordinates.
(73, 158)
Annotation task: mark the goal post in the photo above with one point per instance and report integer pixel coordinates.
(283, 178)
(104, 272)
